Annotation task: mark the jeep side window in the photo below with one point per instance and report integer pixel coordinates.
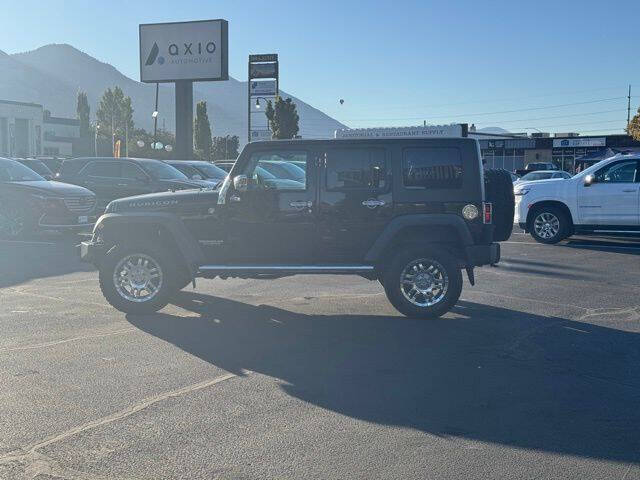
(356, 168)
(436, 167)
(619, 172)
(261, 173)
(103, 169)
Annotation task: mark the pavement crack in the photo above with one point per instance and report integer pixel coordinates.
(35, 463)
(52, 343)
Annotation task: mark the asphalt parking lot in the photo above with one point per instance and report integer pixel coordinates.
(535, 374)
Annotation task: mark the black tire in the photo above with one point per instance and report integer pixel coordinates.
(15, 223)
(393, 275)
(166, 288)
(498, 188)
(564, 225)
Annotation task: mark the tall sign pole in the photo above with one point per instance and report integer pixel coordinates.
(182, 53)
(262, 83)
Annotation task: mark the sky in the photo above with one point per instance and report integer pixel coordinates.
(556, 66)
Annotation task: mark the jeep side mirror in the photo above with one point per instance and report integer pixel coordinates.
(589, 180)
(240, 183)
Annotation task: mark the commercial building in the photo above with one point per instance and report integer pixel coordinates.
(28, 130)
(20, 129)
(513, 151)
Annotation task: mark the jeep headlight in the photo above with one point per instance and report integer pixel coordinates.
(470, 212)
(521, 191)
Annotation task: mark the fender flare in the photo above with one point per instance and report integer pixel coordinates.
(418, 220)
(188, 246)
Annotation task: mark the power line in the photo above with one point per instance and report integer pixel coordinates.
(468, 115)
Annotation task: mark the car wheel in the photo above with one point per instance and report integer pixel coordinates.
(137, 279)
(423, 283)
(549, 225)
(13, 222)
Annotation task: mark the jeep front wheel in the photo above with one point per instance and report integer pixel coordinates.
(423, 284)
(136, 279)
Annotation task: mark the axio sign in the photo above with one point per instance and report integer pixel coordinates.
(194, 51)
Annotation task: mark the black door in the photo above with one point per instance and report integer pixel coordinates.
(133, 181)
(273, 221)
(101, 177)
(355, 202)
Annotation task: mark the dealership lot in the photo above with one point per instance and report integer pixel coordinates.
(533, 375)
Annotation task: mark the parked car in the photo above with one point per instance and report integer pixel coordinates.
(111, 178)
(603, 199)
(534, 167)
(199, 170)
(37, 166)
(52, 163)
(225, 165)
(282, 169)
(411, 213)
(542, 175)
(29, 203)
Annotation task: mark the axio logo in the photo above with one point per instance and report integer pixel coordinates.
(153, 55)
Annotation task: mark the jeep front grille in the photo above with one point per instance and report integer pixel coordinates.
(83, 204)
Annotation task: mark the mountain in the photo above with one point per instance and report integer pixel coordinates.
(52, 75)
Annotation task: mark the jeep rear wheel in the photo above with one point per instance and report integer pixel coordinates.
(136, 279)
(423, 283)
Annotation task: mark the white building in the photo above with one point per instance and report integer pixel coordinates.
(20, 129)
(27, 130)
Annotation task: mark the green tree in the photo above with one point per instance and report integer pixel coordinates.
(114, 110)
(202, 132)
(633, 128)
(83, 111)
(283, 118)
(225, 147)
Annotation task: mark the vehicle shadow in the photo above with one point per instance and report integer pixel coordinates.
(624, 245)
(39, 258)
(484, 373)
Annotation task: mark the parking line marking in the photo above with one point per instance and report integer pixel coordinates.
(67, 340)
(25, 242)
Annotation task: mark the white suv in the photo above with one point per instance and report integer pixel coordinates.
(603, 199)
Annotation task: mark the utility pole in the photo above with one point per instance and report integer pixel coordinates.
(629, 107)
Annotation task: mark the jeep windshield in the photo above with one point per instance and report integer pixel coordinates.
(12, 171)
(161, 171)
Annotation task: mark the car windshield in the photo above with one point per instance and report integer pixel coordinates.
(209, 170)
(161, 171)
(285, 170)
(38, 167)
(11, 171)
(536, 176)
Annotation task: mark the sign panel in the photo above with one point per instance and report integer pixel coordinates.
(195, 51)
(263, 70)
(454, 130)
(266, 87)
(264, 57)
(579, 142)
(260, 135)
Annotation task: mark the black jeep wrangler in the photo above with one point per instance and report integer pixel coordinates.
(411, 213)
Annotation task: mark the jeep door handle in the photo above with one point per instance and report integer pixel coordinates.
(301, 204)
(373, 203)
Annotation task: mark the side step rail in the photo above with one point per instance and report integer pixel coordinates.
(288, 269)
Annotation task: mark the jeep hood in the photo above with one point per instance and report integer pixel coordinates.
(180, 201)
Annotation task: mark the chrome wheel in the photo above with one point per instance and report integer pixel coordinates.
(424, 282)
(11, 223)
(138, 278)
(546, 225)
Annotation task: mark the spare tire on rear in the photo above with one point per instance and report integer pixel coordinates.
(498, 188)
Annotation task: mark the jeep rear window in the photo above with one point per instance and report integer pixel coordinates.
(363, 168)
(432, 167)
